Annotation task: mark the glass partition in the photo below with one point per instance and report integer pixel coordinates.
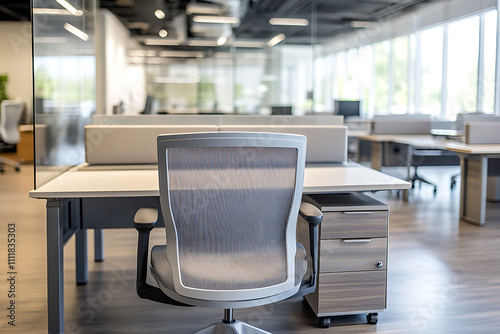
(64, 83)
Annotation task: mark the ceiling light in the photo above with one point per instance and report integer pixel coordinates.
(197, 8)
(163, 33)
(221, 41)
(55, 11)
(249, 44)
(201, 42)
(276, 21)
(275, 40)
(216, 19)
(75, 31)
(159, 14)
(158, 41)
(51, 40)
(70, 8)
(137, 53)
(361, 24)
(181, 54)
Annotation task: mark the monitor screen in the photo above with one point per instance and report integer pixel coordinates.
(281, 110)
(148, 107)
(347, 108)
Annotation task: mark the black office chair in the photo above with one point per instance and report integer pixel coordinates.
(230, 202)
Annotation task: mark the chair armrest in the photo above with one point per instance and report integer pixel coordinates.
(310, 213)
(144, 221)
(313, 216)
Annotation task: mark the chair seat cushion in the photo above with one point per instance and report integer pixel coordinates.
(225, 272)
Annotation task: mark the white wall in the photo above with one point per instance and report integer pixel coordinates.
(16, 61)
(117, 80)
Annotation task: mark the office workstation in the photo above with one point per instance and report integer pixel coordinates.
(391, 254)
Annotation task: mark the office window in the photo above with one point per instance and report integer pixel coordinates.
(352, 68)
(340, 76)
(400, 59)
(365, 79)
(174, 87)
(463, 48)
(382, 58)
(431, 56)
(490, 44)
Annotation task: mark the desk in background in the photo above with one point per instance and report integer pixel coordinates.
(477, 163)
(88, 197)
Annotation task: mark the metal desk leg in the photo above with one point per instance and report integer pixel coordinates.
(81, 257)
(473, 189)
(98, 245)
(55, 266)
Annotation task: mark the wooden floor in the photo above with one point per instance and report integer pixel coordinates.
(443, 276)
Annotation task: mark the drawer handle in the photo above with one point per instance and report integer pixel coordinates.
(356, 240)
(358, 213)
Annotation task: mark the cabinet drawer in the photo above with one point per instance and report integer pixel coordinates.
(352, 254)
(354, 224)
(351, 292)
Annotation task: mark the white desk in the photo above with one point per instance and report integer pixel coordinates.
(477, 163)
(104, 197)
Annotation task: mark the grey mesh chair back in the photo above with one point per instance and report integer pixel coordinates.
(10, 114)
(230, 200)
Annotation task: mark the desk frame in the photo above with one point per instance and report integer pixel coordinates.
(75, 214)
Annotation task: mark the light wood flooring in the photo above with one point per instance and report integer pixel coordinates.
(443, 276)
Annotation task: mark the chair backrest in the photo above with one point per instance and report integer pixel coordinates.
(231, 196)
(10, 114)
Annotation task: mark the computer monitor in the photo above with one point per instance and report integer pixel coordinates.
(281, 110)
(347, 108)
(148, 107)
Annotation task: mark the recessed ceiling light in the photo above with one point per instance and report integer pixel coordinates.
(275, 40)
(277, 21)
(248, 44)
(361, 24)
(77, 32)
(163, 33)
(216, 19)
(159, 41)
(70, 8)
(159, 14)
(221, 41)
(198, 8)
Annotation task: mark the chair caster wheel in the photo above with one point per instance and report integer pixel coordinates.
(372, 318)
(324, 322)
(17, 169)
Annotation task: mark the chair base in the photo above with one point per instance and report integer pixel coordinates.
(236, 327)
(5, 161)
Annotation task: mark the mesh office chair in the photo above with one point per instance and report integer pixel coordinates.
(10, 114)
(230, 202)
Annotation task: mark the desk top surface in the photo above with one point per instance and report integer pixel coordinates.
(483, 149)
(107, 182)
(418, 141)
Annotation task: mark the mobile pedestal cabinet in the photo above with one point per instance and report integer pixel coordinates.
(352, 256)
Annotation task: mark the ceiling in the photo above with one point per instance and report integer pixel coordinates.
(326, 18)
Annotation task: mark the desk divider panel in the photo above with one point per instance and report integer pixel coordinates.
(482, 133)
(402, 124)
(324, 143)
(129, 144)
(136, 144)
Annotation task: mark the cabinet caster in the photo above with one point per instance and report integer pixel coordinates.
(372, 318)
(324, 322)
